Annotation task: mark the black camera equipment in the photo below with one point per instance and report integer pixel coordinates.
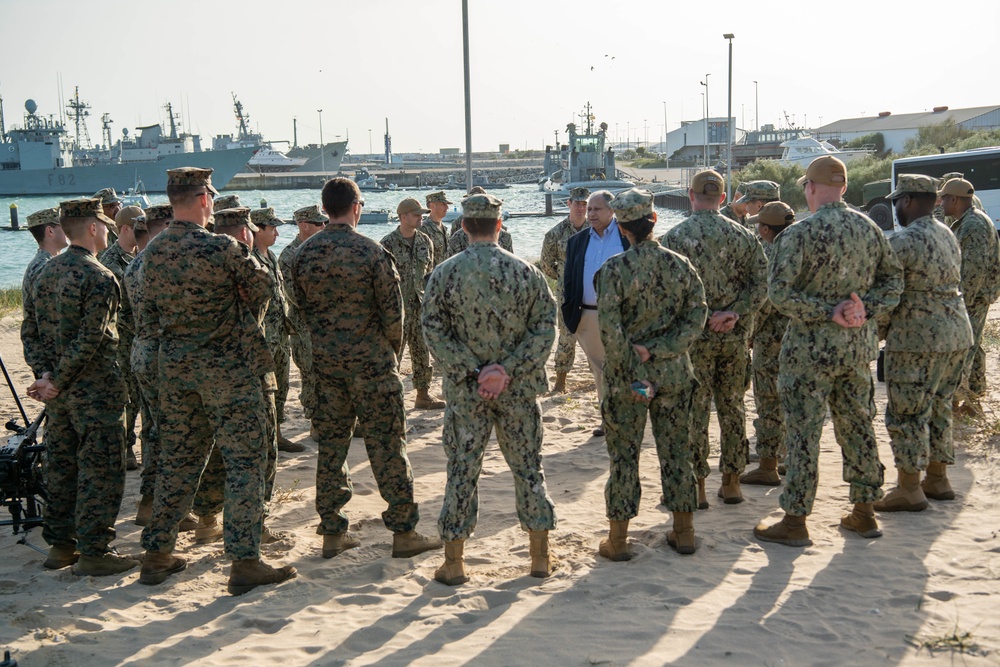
(22, 483)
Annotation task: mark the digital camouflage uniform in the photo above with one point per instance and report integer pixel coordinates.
(733, 270)
(116, 259)
(31, 274)
(276, 329)
(414, 261)
(348, 291)
(143, 363)
(487, 306)
(210, 390)
(459, 240)
(299, 344)
(728, 212)
(928, 340)
(70, 331)
(553, 263)
(977, 238)
(649, 296)
(769, 329)
(818, 262)
(437, 232)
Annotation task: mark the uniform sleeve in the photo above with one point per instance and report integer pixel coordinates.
(99, 304)
(784, 273)
(975, 263)
(689, 324)
(506, 242)
(549, 258)
(390, 299)
(754, 291)
(535, 347)
(454, 357)
(38, 353)
(249, 274)
(618, 350)
(887, 287)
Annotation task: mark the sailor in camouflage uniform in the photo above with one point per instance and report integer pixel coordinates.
(489, 320)
(928, 339)
(737, 212)
(832, 274)
(437, 204)
(111, 203)
(769, 328)
(980, 280)
(201, 287)
(755, 195)
(348, 290)
(310, 221)
(70, 344)
(413, 252)
(651, 307)
(48, 234)
(553, 264)
(733, 270)
(459, 241)
(117, 257)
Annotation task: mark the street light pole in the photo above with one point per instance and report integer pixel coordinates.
(666, 149)
(322, 152)
(729, 123)
(704, 126)
(707, 112)
(756, 102)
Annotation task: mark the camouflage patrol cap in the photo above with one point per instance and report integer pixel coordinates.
(47, 216)
(310, 214)
(825, 170)
(234, 217)
(764, 191)
(84, 208)
(477, 190)
(708, 183)
(773, 214)
(481, 207)
(226, 201)
(440, 197)
(579, 194)
(128, 216)
(952, 174)
(265, 217)
(159, 212)
(957, 187)
(107, 196)
(907, 183)
(632, 204)
(191, 176)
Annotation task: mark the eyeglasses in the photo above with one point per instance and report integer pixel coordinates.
(360, 201)
(211, 195)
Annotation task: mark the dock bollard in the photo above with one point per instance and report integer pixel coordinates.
(548, 203)
(13, 218)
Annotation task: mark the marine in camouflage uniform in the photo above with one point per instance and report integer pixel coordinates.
(435, 229)
(650, 297)
(928, 339)
(733, 270)
(347, 287)
(39, 221)
(553, 263)
(209, 363)
(819, 265)
(487, 309)
(980, 285)
(70, 339)
(459, 240)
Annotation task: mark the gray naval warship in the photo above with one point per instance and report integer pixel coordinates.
(40, 158)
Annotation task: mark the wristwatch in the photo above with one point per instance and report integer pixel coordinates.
(474, 373)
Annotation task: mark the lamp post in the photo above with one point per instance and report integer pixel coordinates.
(705, 83)
(729, 125)
(704, 127)
(756, 104)
(370, 141)
(666, 149)
(322, 153)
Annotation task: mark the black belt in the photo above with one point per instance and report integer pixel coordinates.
(586, 307)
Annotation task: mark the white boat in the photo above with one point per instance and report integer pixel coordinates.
(586, 161)
(269, 160)
(806, 149)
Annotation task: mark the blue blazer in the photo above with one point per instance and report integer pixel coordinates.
(576, 253)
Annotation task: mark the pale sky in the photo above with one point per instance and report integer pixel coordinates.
(534, 64)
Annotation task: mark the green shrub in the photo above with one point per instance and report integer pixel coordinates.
(875, 138)
(863, 171)
(784, 176)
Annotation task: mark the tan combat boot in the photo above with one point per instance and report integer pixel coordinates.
(766, 474)
(906, 497)
(790, 531)
(410, 543)
(427, 402)
(936, 484)
(681, 538)
(542, 563)
(560, 385)
(338, 543)
(616, 546)
(104, 565)
(158, 565)
(60, 556)
(861, 520)
(208, 530)
(730, 490)
(452, 571)
(246, 575)
(702, 496)
(286, 445)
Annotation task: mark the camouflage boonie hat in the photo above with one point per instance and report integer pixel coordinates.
(764, 191)
(439, 197)
(957, 187)
(773, 214)
(265, 217)
(226, 201)
(128, 216)
(191, 176)
(234, 217)
(826, 170)
(579, 194)
(107, 196)
(632, 204)
(84, 208)
(310, 214)
(907, 183)
(159, 212)
(47, 216)
(481, 206)
(708, 183)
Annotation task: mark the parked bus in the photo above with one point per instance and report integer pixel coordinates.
(979, 166)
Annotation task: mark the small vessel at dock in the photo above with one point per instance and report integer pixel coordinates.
(804, 150)
(587, 160)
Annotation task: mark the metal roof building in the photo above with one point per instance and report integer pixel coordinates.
(897, 128)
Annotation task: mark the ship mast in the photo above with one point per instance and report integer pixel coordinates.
(106, 130)
(3, 129)
(173, 122)
(78, 111)
(588, 119)
(244, 133)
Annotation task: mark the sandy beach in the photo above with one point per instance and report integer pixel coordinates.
(843, 601)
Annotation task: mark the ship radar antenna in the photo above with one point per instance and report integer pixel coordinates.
(79, 111)
(242, 119)
(106, 129)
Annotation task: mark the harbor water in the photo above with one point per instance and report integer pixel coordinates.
(527, 232)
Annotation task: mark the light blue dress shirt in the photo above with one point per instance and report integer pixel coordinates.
(598, 251)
